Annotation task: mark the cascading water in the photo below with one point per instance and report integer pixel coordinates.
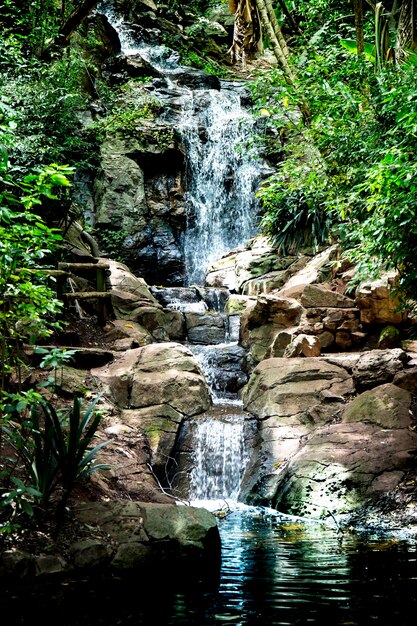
(219, 457)
(223, 167)
(223, 174)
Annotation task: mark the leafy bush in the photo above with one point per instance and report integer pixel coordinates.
(53, 450)
(351, 168)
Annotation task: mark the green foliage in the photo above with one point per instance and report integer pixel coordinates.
(349, 171)
(207, 65)
(54, 358)
(28, 305)
(53, 450)
(112, 242)
(128, 118)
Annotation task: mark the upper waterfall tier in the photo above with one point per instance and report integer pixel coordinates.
(222, 173)
(222, 166)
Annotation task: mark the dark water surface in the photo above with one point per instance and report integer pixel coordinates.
(274, 572)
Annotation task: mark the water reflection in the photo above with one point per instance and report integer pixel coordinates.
(274, 572)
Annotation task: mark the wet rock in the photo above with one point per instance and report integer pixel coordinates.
(214, 298)
(180, 298)
(160, 424)
(144, 535)
(205, 329)
(175, 325)
(196, 79)
(90, 553)
(236, 304)
(138, 195)
(223, 366)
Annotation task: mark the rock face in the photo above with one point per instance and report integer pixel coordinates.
(139, 194)
(156, 374)
(377, 304)
(156, 386)
(318, 455)
(257, 269)
(377, 367)
(129, 536)
(261, 322)
(347, 465)
(290, 398)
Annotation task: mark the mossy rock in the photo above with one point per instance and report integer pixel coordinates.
(389, 337)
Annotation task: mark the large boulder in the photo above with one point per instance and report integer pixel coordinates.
(378, 367)
(133, 301)
(290, 398)
(150, 535)
(350, 465)
(253, 270)
(264, 319)
(205, 328)
(119, 537)
(156, 374)
(294, 390)
(318, 296)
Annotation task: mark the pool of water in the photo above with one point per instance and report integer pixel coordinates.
(275, 571)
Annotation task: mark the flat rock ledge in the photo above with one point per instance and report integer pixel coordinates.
(127, 537)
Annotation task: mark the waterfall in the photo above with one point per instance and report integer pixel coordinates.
(219, 457)
(223, 171)
(223, 165)
(223, 174)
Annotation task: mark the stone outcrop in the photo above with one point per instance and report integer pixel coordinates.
(128, 537)
(156, 374)
(316, 270)
(290, 398)
(133, 302)
(139, 195)
(377, 303)
(357, 462)
(256, 269)
(320, 453)
(261, 322)
(378, 367)
(154, 387)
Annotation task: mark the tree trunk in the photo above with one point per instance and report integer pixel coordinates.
(289, 16)
(247, 36)
(83, 8)
(277, 28)
(279, 54)
(406, 40)
(360, 39)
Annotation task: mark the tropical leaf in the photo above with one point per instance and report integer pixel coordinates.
(350, 46)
